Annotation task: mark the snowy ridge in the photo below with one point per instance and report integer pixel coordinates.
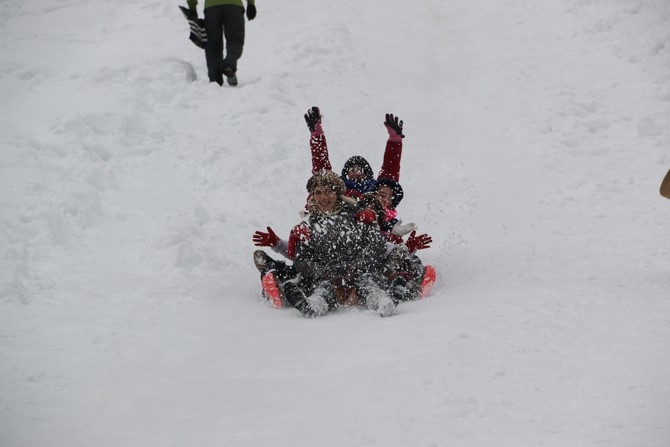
(537, 136)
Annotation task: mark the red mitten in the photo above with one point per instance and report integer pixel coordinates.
(268, 239)
(366, 216)
(420, 242)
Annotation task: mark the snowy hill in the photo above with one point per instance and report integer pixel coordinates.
(537, 136)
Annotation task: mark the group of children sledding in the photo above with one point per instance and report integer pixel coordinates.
(350, 248)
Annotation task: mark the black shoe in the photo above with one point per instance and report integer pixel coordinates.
(374, 297)
(323, 298)
(232, 80)
(296, 298)
(398, 290)
(230, 76)
(262, 261)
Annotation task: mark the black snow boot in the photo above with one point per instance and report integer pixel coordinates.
(230, 75)
(296, 298)
(374, 297)
(398, 290)
(262, 261)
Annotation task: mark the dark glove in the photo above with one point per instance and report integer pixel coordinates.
(191, 13)
(394, 127)
(268, 239)
(313, 119)
(420, 242)
(251, 11)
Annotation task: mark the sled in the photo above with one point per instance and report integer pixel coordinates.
(428, 281)
(271, 290)
(665, 186)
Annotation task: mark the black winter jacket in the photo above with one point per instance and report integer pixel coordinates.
(337, 247)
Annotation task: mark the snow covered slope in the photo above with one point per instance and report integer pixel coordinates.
(537, 136)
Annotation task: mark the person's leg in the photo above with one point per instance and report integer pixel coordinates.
(397, 290)
(233, 30)
(415, 273)
(373, 295)
(322, 299)
(214, 45)
(297, 298)
(273, 272)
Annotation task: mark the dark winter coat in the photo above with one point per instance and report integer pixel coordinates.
(358, 188)
(193, 3)
(336, 247)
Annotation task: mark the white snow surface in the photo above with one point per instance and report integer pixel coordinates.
(130, 187)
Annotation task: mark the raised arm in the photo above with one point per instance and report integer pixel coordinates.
(317, 141)
(393, 152)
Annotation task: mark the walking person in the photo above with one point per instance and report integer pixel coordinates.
(224, 21)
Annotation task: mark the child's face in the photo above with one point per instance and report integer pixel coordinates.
(385, 195)
(355, 173)
(324, 198)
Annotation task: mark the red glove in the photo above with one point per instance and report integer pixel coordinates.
(366, 216)
(268, 239)
(420, 242)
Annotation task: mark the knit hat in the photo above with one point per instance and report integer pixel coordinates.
(328, 179)
(396, 189)
(361, 162)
